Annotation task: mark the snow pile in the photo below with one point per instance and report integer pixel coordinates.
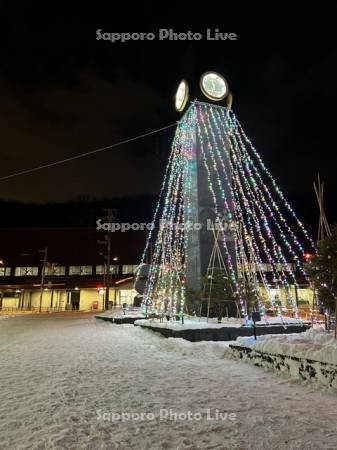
(199, 350)
(60, 374)
(119, 313)
(313, 344)
(280, 320)
(196, 323)
(189, 324)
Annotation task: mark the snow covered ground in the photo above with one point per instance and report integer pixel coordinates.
(314, 344)
(118, 312)
(64, 381)
(188, 324)
(192, 323)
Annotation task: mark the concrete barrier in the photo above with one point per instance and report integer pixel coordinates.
(318, 372)
(119, 320)
(224, 333)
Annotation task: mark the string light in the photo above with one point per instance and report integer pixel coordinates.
(237, 181)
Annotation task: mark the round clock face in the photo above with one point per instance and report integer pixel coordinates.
(213, 85)
(181, 96)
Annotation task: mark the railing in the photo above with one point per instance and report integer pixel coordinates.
(37, 309)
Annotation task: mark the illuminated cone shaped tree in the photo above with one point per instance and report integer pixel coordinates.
(221, 214)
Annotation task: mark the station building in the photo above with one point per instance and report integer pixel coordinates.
(75, 268)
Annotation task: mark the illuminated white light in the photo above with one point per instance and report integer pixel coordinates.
(213, 86)
(181, 96)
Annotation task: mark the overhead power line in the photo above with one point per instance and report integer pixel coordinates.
(83, 155)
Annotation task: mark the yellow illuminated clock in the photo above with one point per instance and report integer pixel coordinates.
(213, 86)
(181, 96)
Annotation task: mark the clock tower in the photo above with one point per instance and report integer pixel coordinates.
(208, 225)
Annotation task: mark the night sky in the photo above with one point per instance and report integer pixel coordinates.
(63, 93)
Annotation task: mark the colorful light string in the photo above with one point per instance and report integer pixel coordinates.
(238, 183)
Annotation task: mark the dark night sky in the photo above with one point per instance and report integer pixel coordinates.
(63, 93)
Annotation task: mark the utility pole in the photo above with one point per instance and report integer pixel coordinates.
(45, 253)
(109, 216)
(104, 281)
(2, 263)
(106, 272)
(108, 275)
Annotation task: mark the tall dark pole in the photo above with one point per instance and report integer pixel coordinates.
(296, 295)
(106, 271)
(2, 290)
(45, 252)
(108, 275)
(109, 217)
(104, 282)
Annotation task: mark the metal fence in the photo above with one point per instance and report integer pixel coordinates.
(35, 309)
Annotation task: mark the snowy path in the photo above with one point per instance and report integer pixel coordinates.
(57, 373)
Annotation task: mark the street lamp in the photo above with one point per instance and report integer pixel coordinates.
(43, 273)
(45, 256)
(107, 263)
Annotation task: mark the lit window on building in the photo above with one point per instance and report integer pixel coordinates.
(80, 270)
(129, 268)
(54, 270)
(114, 269)
(26, 271)
(5, 271)
(126, 296)
(100, 270)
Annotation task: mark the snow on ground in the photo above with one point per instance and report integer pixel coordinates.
(279, 320)
(62, 379)
(189, 324)
(193, 323)
(6, 316)
(314, 344)
(118, 312)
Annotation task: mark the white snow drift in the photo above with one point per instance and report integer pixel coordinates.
(57, 373)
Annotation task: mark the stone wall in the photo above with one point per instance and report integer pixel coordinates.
(303, 369)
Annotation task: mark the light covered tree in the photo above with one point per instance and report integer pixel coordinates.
(322, 270)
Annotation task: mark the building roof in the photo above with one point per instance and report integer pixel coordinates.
(67, 282)
(71, 246)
